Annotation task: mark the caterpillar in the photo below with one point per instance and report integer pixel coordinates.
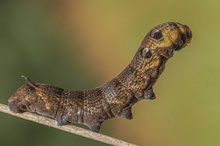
(113, 99)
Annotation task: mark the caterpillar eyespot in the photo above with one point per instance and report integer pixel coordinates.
(146, 53)
(113, 99)
(156, 34)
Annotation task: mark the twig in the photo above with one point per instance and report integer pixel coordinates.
(68, 128)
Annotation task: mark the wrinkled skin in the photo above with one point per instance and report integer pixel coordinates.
(116, 97)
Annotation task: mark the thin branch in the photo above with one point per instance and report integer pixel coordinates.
(68, 128)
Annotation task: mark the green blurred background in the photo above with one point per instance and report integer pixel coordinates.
(83, 44)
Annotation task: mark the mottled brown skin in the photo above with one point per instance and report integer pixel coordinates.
(113, 99)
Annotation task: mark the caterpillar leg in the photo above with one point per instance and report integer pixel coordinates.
(15, 106)
(95, 127)
(18, 102)
(126, 113)
(149, 94)
(62, 121)
(18, 105)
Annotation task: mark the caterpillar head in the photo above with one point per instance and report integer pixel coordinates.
(164, 39)
(159, 45)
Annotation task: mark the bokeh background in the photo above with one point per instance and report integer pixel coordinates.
(83, 44)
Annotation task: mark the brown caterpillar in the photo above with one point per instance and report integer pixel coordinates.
(116, 97)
